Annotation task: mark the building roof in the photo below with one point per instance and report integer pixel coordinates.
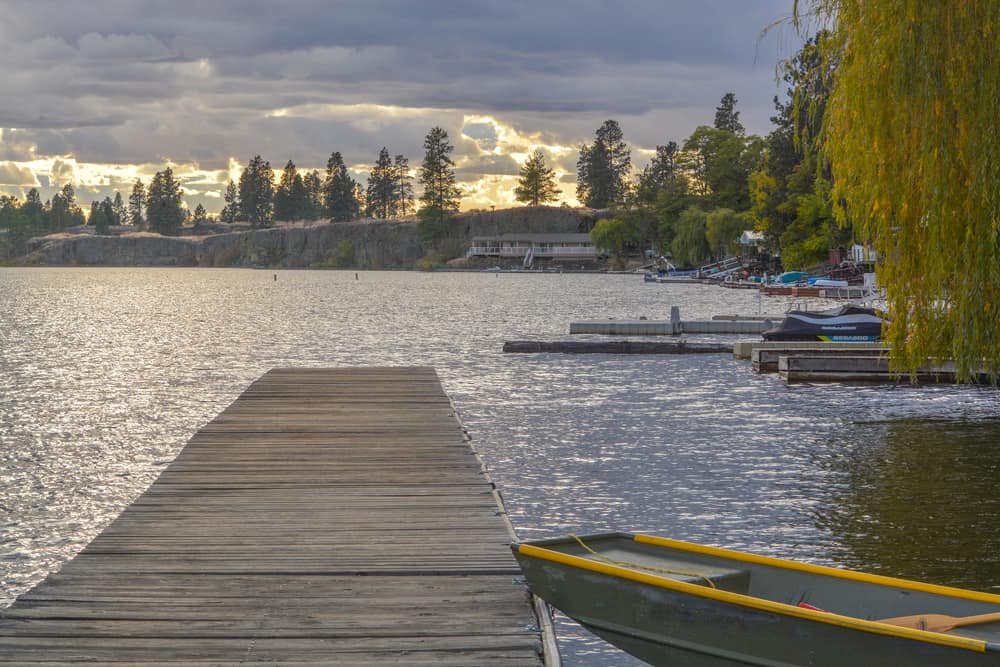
(537, 238)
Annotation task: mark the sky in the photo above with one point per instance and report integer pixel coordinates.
(102, 92)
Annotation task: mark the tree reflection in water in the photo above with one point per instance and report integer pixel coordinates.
(917, 499)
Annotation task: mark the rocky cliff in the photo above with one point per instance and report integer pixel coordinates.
(364, 244)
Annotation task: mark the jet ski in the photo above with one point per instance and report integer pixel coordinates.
(840, 325)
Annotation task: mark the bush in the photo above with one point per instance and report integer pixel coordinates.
(343, 255)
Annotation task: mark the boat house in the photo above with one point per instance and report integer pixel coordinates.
(542, 246)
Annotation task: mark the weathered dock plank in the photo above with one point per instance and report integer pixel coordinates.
(328, 516)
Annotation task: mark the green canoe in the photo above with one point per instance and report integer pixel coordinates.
(681, 604)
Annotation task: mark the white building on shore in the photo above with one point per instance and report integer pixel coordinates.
(539, 246)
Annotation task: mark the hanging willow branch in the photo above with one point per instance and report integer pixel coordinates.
(911, 133)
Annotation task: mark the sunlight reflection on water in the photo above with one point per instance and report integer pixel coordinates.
(105, 374)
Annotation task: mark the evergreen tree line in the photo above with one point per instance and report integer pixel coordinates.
(157, 208)
(258, 200)
(34, 218)
(695, 199)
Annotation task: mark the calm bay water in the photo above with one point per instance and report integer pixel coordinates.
(105, 374)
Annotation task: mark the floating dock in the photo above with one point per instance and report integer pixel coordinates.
(615, 347)
(814, 361)
(744, 349)
(866, 369)
(327, 516)
(765, 360)
(731, 324)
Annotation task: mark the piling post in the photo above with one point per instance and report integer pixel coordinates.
(675, 320)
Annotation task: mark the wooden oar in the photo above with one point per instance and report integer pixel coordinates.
(939, 622)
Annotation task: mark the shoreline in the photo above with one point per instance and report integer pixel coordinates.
(363, 244)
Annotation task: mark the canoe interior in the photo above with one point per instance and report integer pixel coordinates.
(857, 595)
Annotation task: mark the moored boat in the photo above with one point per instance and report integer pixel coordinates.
(677, 603)
(672, 275)
(846, 323)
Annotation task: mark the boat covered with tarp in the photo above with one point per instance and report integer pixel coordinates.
(847, 323)
(676, 603)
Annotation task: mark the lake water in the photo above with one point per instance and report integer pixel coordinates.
(106, 373)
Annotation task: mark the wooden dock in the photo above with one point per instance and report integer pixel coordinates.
(765, 360)
(860, 369)
(614, 347)
(327, 516)
(668, 327)
(743, 349)
(725, 324)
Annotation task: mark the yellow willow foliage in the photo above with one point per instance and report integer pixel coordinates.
(911, 133)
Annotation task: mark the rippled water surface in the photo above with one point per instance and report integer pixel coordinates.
(105, 374)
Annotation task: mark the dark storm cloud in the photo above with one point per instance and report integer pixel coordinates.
(132, 82)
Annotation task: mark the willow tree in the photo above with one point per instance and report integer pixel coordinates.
(912, 138)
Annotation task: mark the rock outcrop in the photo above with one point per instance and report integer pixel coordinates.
(367, 244)
(128, 250)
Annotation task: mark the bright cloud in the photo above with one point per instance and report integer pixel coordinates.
(12, 174)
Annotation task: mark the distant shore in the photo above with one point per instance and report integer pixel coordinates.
(368, 244)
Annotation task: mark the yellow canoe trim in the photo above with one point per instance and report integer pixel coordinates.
(751, 602)
(876, 579)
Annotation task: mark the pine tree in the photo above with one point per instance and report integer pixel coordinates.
(660, 172)
(402, 192)
(288, 197)
(727, 117)
(121, 212)
(300, 198)
(437, 174)
(381, 187)
(257, 193)
(95, 211)
(200, 214)
(98, 218)
(312, 185)
(14, 221)
(34, 212)
(537, 182)
(57, 214)
(164, 213)
(63, 211)
(75, 213)
(231, 211)
(340, 191)
(109, 215)
(137, 204)
(603, 168)
(69, 195)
